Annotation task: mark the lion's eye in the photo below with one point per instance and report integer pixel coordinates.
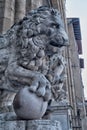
(55, 25)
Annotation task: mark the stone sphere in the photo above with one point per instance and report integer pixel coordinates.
(28, 105)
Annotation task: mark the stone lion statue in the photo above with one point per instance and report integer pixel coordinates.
(29, 55)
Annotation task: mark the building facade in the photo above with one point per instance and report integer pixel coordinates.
(72, 113)
(76, 94)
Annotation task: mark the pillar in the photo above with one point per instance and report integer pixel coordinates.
(20, 9)
(6, 14)
(32, 4)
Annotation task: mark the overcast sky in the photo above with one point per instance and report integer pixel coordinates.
(78, 8)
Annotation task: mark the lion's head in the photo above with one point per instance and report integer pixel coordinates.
(43, 26)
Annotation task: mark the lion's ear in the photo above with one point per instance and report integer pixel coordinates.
(53, 12)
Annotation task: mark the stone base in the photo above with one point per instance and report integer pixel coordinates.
(30, 125)
(61, 114)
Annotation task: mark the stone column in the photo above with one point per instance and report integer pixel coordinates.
(36, 4)
(6, 14)
(2, 4)
(20, 9)
(32, 4)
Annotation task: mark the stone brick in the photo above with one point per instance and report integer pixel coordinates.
(43, 125)
(12, 125)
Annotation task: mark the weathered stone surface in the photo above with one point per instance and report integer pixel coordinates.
(29, 105)
(61, 114)
(30, 125)
(30, 56)
(12, 125)
(8, 116)
(84, 123)
(20, 9)
(43, 125)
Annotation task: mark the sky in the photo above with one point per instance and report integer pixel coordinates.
(78, 8)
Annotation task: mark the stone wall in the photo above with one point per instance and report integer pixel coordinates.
(84, 123)
(75, 90)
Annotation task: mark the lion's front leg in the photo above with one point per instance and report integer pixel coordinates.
(39, 84)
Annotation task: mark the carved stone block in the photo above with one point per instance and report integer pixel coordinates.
(44, 125)
(30, 125)
(12, 125)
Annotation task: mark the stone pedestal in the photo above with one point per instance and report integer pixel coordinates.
(43, 125)
(30, 125)
(61, 113)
